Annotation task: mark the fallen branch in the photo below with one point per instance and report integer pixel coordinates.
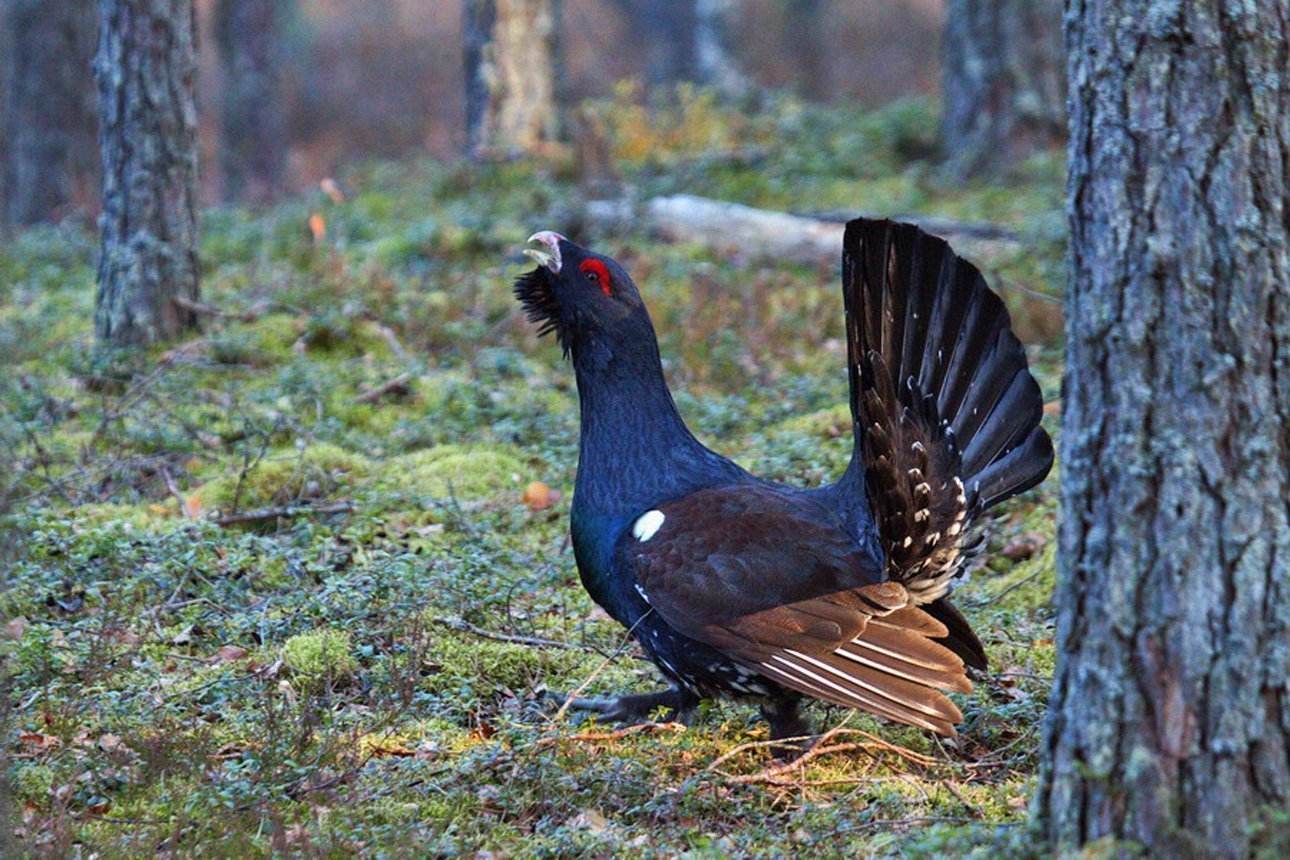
(761, 233)
(260, 514)
(398, 384)
(204, 309)
(174, 491)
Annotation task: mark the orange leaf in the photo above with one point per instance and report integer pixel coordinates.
(318, 227)
(538, 496)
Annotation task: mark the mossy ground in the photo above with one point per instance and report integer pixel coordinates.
(162, 699)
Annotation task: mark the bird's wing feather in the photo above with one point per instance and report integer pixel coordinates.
(773, 581)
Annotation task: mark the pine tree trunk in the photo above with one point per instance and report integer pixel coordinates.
(1169, 723)
(510, 58)
(253, 154)
(48, 104)
(1002, 83)
(714, 61)
(147, 74)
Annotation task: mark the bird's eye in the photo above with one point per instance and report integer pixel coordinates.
(596, 275)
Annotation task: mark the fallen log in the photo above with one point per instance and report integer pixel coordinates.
(741, 231)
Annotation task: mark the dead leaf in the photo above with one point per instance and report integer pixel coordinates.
(109, 742)
(231, 653)
(14, 628)
(330, 187)
(591, 820)
(40, 741)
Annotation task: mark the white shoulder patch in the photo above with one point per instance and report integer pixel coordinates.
(648, 523)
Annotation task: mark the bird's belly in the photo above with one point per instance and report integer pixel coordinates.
(697, 667)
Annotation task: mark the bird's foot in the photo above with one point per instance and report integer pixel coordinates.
(677, 705)
(790, 725)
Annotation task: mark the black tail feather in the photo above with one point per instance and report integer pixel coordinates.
(960, 639)
(947, 414)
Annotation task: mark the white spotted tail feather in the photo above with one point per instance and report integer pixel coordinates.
(947, 414)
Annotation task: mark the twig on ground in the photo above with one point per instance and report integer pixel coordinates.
(174, 491)
(614, 736)
(463, 626)
(211, 311)
(260, 514)
(398, 384)
(771, 775)
(564, 709)
(396, 346)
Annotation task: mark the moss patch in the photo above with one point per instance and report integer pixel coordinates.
(461, 471)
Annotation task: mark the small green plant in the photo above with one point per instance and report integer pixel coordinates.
(320, 658)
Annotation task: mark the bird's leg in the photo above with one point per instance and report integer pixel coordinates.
(639, 708)
(787, 721)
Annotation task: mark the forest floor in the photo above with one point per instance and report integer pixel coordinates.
(363, 671)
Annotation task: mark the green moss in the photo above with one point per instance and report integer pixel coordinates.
(319, 658)
(32, 783)
(286, 476)
(829, 423)
(471, 666)
(461, 471)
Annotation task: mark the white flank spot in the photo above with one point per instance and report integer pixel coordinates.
(642, 593)
(645, 527)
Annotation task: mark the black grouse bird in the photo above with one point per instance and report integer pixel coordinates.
(744, 588)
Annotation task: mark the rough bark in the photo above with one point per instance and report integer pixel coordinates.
(511, 62)
(147, 72)
(1002, 83)
(48, 48)
(253, 154)
(1169, 723)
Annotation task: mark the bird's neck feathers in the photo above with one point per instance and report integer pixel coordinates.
(634, 448)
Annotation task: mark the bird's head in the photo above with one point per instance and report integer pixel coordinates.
(577, 293)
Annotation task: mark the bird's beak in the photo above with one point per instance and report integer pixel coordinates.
(549, 258)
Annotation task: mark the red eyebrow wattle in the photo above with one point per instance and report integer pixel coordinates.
(600, 270)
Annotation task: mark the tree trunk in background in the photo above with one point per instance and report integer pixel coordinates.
(687, 40)
(510, 57)
(667, 30)
(1003, 73)
(253, 149)
(147, 74)
(49, 105)
(1169, 724)
(715, 64)
(805, 36)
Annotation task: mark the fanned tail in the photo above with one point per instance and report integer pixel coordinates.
(947, 415)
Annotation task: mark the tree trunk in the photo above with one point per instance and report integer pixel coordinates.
(687, 40)
(147, 74)
(805, 36)
(1169, 723)
(667, 30)
(715, 64)
(48, 105)
(1002, 83)
(510, 58)
(253, 154)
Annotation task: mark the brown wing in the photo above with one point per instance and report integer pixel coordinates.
(771, 580)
